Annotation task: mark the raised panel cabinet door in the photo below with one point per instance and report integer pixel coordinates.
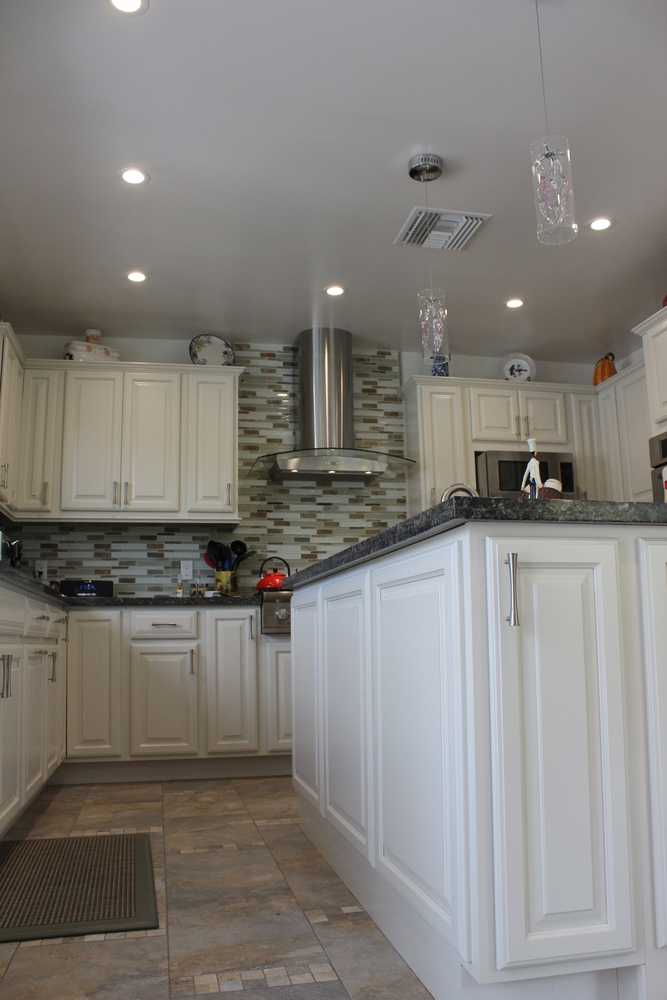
(276, 693)
(151, 467)
(587, 445)
(444, 458)
(653, 561)
(94, 685)
(210, 483)
(558, 751)
(610, 455)
(35, 702)
(307, 728)
(634, 431)
(232, 682)
(494, 414)
(345, 704)
(163, 699)
(56, 687)
(417, 667)
(41, 420)
(11, 385)
(655, 355)
(543, 415)
(11, 757)
(91, 472)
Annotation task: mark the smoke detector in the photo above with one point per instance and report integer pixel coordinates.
(426, 167)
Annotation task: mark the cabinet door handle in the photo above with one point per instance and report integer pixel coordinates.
(517, 425)
(527, 419)
(192, 662)
(43, 618)
(251, 627)
(116, 493)
(10, 659)
(52, 678)
(45, 494)
(229, 494)
(127, 494)
(512, 563)
(3, 660)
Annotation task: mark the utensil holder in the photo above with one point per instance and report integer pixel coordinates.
(226, 581)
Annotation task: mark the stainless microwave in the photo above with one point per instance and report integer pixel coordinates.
(500, 473)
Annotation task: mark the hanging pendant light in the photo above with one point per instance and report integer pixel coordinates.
(432, 302)
(551, 163)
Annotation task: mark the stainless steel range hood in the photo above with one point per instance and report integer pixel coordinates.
(325, 438)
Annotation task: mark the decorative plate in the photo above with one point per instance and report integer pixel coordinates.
(518, 368)
(208, 349)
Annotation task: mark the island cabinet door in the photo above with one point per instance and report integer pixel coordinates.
(417, 666)
(345, 703)
(560, 821)
(653, 559)
(232, 682)
(306, 735)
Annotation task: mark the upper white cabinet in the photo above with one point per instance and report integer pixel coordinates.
(92, 440)
(437, 439)
(151, 440)
(41, 441)
(231, 681)
(653, 332)
(558, 751)
(11, 387)
(587, 442)
(507, 415)
(210, 480)
(624, 433)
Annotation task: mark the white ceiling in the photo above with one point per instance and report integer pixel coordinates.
(277, 132)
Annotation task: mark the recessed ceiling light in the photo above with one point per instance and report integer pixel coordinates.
(132, 175)
(514, 303)
(335, 290)
(130, 6)
(600, 224)
(136, 276)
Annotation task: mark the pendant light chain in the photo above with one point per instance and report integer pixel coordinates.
(541, 58)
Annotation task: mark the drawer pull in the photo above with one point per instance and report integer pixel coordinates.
(512, 563)
(164, 624)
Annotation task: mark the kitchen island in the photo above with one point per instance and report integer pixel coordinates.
(480, 742)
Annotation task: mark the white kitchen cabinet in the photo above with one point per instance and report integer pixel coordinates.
(417, 664)
(346, 707)
(11, 386)
(34, 684)
(56, 705)
(232, 681)
(41, 441)
(634, 432)
(437, 439)
(163, 698)
(11, 755)
(94, 684)
(543, 415)
(306, 671)
(558, 752)
(653, 332)
(151, 445)
(495, 414)
(587, 442)
(210, 476)
(276, 694)
(91, 464)
(12, 613)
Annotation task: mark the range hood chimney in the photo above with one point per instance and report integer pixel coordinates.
(325, 436)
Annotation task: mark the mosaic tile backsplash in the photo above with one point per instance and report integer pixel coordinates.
(302, 523)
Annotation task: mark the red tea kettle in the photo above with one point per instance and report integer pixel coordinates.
(272, 579)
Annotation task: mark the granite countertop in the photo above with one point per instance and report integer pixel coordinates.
(167, 601)
(23, 581)
(464, 510)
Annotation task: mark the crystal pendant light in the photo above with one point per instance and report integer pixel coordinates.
(433, 329)
(552, 175)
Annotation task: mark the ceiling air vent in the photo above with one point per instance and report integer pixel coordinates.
(438, 229)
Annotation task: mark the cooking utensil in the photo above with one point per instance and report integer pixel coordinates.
(239, 551)
(272, 580)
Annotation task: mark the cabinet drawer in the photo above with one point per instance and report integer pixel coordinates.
(38, 619)
(163, 624)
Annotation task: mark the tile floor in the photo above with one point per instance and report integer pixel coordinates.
(247, 904)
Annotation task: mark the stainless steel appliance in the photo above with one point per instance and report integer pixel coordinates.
(657, 447)
(499, 473)
(275, 614)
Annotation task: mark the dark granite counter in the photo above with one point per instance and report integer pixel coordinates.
(464, 510)
(166, 601)
(25, 583)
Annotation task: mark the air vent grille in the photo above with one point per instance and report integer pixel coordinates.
(439, 229)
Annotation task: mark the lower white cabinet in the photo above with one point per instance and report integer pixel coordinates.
(11, 757)
(276, 695)
(306, 721)
(56, 705)
(34, 684)
(561, 852)
(163, 698)
(231, 682)
(94, 710)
